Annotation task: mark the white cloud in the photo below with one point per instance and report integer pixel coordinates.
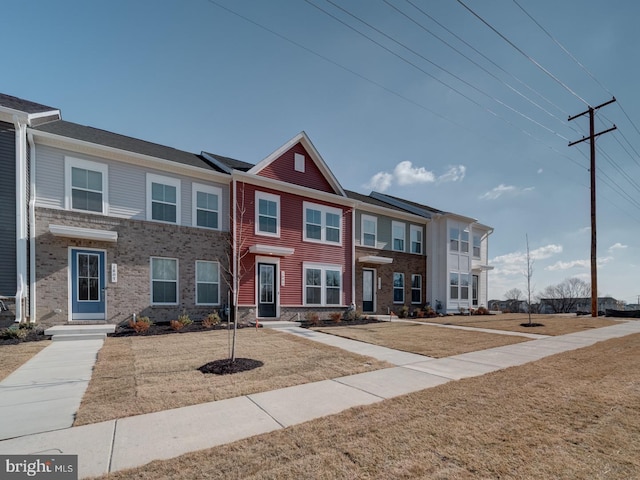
(576, 264)
(540, 170)
(617, 246)
(405, 173)
(503, 189)
(515, 263)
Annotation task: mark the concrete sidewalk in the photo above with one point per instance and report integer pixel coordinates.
(124, 443)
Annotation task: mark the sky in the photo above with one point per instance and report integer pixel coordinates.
(461, 105)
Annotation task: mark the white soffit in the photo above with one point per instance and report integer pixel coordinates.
(271, 250)
(84, 233)
(375, 259)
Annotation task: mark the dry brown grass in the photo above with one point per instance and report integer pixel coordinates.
(422, 339)
(136, 375)
(553, 324)
(569, 416)
(14, 356)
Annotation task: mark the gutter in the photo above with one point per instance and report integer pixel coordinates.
(21, 216)
(32, 230)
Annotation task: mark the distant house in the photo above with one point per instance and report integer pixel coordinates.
(574, 305)
(98, 226)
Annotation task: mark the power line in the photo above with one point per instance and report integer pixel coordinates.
(528, 57)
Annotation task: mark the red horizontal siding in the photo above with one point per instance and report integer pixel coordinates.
(283, 169)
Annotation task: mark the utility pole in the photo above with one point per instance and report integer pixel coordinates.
(592, 140)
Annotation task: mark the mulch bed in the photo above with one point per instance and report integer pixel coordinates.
(227, 367)
(32, 336)
(165, 328)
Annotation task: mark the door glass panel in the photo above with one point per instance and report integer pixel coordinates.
(367, 288)
(88, 277)
(266, 284)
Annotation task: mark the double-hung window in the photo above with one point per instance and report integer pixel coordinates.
(464, 241)
(398, 232)
(207, 283)
(398, 287)
(163, 199)
(267, 214)
(323, 284)
(416, 289)
(477, 241)
(454, 239)
(164, 281)
(416, 239)
(369, 231)
(454, 282)
(86, 185)
(207, 205)
(464, 286)
(322, 224)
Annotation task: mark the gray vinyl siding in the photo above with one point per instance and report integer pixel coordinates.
(127, 186)
(8, 210)
(383, 237)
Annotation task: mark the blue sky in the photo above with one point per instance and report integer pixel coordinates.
(481, 131)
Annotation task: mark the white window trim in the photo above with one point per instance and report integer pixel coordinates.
(70, 162)
(456, 239)
(457, 297)
(464, 242)
(479, 246)
(151, 281)
(418, 229)
(323, 267)
(324, 209)
(171, 181)
(393, 286)
(402, 225)
(419, 289)
(373, 219)
(273, 198)
(198, 187)
(217, 302)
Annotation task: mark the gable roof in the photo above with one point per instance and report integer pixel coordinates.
(121, 142)
(29, 111)
(304, 140)
(227, 164)
(408, 205)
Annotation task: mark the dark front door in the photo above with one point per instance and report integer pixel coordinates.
(266, 290)
(367, 290)
(474, 290)
(87, 285)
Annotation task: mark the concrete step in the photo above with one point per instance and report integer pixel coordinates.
(101, 329)
(65, 337)
(276, 323)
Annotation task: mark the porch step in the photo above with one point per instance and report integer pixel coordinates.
(64, 337)
(276, 323)
(72, 332)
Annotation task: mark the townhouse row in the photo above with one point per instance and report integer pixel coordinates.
(98, 226)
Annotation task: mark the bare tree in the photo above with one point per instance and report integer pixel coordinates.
(563, 297)
(529, 274)
(513, 298)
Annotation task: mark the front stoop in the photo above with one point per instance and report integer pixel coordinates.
(79, 332)
(276, 323)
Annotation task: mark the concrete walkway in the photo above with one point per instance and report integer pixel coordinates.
(124, 443)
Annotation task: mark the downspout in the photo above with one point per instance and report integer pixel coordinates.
(234, 253)
(353, 257)
(21, 216)
(32, 230)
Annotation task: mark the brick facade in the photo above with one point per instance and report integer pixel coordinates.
(137, 242)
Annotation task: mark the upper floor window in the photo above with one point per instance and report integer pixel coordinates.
(322, 284)
(322, 223)
(207, 283)
(163, 198)
(398, 232)
(477, 240)
(267, 214)
(454, 285)
(206, 206)
(86, 185)
(454, 239)
(416, 239)
(369, 231)
(464, 241)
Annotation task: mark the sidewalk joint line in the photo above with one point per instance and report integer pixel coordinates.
(261, 408)
(337, 380)
(111, 447)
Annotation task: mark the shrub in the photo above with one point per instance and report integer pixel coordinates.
(13, 332)
(336, 317)
(313, 318)
(482, 311)
(176, 324)
(353, 315)
(418, 313)
(140, 325)
(210, 320)
(184, 319)
(429, 311)
(403, 312)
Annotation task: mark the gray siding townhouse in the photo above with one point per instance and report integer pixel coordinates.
(116, 225)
